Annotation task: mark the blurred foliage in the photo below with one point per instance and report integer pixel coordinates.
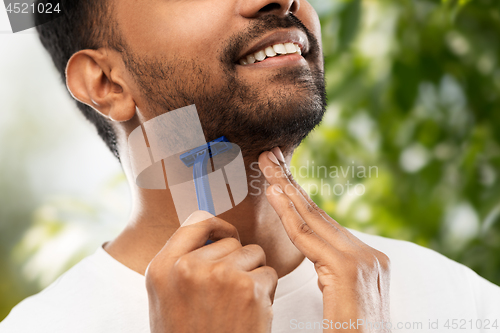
(413, 88)
(16, 204)
(43, 234)
(414, 91)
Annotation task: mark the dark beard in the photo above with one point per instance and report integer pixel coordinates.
(245, 114)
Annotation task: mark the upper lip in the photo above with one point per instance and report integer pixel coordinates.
(280, 37)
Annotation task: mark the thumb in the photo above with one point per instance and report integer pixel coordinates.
(197, 216)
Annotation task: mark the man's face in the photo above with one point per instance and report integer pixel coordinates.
(183, 52)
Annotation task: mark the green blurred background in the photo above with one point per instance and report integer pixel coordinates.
(414, 93)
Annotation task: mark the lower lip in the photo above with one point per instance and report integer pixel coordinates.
(284, 60)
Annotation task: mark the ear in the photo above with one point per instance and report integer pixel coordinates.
(94, 78)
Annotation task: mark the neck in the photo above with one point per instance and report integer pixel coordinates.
(154, 220)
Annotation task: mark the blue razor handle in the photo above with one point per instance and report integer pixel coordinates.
(198, 158)
(201, 184)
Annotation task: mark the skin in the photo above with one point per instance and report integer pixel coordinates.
(266, 236)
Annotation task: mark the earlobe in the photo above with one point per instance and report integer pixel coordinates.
(122, 111)
(89, 79)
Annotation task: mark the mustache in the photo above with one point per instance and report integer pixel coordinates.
(261, 26)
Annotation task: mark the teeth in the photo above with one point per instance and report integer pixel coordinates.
(279, 48)
(290, 48)
(251, 59)
(271, 51)
(299, 51)
(259, 56)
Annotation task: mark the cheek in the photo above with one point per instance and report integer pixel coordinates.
(310, 18)
(176, 30)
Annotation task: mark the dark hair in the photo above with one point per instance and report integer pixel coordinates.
(81, 24)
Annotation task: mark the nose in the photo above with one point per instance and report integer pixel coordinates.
(256, 8)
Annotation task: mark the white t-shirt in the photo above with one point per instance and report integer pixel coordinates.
(429, 293)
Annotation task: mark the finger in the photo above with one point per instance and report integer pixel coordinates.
(267, 280)
(276, 175)
(217, 250)
(312, 245)
(314, 206)
(309, 206)
(277, 152)
(247, 258)
(194, 232)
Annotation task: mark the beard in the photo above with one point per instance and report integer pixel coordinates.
(254, 117)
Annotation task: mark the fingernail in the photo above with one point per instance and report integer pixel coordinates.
(197, 216)
(279, 155)
(278, 188)
(273, 158)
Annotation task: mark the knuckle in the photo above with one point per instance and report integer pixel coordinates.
(310, 209)
(302, 230)
(315, 206)
(365, 265)
(153, 274)
(246, 288)
(314, 210)
(334, 229)
(246, 283)
(232, 227)
(367, 262)
(246, 252)
(384, 261)
(269, 190)
(358, 265)
(271, 272)
(219, 273)
(288, 174)
(183, 268)
(232, 243)
(217, 224)
(214, 223)
(305, 229)
(372, 263)
(254, 250)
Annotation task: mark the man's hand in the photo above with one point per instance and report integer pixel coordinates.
(221, 287)
(353, 277)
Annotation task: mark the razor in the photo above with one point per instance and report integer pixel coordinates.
(198, 159)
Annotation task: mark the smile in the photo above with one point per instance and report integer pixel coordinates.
(280, 48)
(275, 50)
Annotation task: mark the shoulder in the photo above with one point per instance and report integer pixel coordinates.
(426, 278)
(88, 297)
(406, 254)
